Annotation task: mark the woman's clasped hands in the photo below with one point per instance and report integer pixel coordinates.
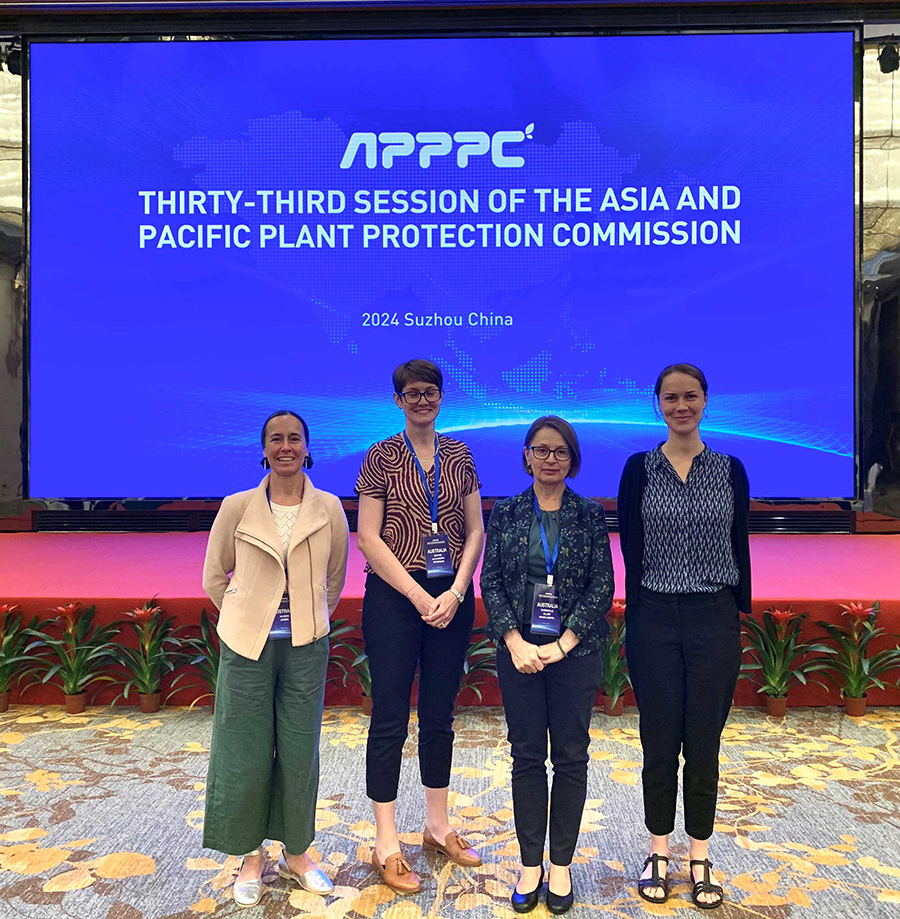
(436, 611)
(526, 657)
(530, 658)
(550, 654)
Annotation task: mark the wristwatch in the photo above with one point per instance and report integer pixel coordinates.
(459, 597)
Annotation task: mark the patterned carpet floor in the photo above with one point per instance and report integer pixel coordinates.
(101, 815)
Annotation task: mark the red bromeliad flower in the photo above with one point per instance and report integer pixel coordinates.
(143, 614)
(67, 614)
(856, 611)
(859, 615)
(782, 617)
(616, 615)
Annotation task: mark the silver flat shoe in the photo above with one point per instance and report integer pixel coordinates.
(248, 893)
(315, 881)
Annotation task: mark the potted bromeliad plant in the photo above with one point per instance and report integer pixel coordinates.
(202, 653)
(349, 658)
(615, 667)
(14, 639)
(71, 649)
(156, 655)
(852, 667)
(778, 657)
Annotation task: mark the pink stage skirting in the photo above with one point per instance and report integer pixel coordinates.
(117, 571)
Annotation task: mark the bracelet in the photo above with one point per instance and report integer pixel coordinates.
(459, 597)
(561, 648)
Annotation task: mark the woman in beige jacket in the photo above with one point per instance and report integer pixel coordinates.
(275, 567)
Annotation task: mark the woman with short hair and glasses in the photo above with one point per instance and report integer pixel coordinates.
(683, 527)
(547, 584)
(421, 531)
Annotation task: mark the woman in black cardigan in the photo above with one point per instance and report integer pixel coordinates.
(683, 511)
(547, 584)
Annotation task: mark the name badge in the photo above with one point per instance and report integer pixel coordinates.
(281, 627)
(545, 610)
(436, 547)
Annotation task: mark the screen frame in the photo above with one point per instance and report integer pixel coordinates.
(88, 501)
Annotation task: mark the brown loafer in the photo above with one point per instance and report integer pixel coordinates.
(397, 874)
(454, 847)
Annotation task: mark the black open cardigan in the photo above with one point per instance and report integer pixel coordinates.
(631, 527)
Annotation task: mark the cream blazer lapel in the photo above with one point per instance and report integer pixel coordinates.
(311, 517)
(257, 525)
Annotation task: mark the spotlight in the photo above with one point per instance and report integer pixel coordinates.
(889, 58)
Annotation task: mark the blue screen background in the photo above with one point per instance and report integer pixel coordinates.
(151, 370)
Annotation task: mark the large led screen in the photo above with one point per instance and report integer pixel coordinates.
(220, 229)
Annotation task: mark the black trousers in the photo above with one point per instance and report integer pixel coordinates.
(557, 701)
(397, 640)
(684, 657)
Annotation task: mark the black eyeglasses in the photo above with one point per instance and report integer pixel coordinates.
(541, 452)
(413, 396)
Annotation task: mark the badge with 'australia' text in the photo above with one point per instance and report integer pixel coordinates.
(436, 547)
(545, 610)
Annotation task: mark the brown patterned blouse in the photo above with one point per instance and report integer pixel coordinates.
(389, 474)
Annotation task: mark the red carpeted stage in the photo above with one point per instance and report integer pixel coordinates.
(122, 570)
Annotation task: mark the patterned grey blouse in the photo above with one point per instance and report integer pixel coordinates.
(687, 525)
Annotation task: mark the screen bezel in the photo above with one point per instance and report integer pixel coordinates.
(357, 33)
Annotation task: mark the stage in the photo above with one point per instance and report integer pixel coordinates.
(118, 571)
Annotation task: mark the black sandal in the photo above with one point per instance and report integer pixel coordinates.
(655, 879)
(705, 886)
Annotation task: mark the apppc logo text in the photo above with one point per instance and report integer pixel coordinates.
(431, 144)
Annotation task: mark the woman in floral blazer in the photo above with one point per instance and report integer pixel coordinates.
(547, 584)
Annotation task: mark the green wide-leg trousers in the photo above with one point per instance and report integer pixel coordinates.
(263, 778)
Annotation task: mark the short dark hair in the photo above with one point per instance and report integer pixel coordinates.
(688, 369)
(286, 411)
(566, 431)
(417, 371)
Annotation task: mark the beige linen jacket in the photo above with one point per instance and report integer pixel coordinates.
(244, 543)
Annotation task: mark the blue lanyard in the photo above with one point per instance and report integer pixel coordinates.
(432, 498)
(549, 560)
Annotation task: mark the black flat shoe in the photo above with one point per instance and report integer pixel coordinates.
(560, 903)
(526, 902)
(706, 885)
(655, 879)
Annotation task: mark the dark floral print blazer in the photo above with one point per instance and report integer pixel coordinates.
(583, 572)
